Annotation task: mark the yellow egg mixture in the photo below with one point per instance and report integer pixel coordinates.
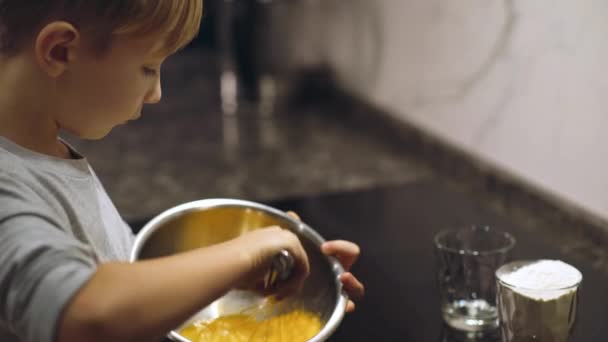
(295, 326)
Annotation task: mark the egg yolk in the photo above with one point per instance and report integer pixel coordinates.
(295, 326)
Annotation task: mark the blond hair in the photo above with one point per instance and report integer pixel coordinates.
(175, 21)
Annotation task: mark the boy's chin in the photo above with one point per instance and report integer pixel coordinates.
(99, 135)
(91, 134)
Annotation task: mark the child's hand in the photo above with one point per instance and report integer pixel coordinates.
(347, 253)
(260, 247)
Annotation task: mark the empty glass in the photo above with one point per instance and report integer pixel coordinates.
(467, 259)
(449, 334)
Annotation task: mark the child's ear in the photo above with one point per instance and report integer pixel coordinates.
(56, 46)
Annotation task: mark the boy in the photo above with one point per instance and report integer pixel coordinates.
(85, 66)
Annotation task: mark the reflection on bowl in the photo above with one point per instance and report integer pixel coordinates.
(206, 222)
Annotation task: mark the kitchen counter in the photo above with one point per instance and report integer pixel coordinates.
(394, 227)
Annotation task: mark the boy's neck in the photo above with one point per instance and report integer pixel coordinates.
(37, 140)
(22, 116)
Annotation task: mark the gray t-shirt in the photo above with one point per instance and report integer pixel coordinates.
(56, 224)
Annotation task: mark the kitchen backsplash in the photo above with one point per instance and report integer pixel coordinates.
(521, 84)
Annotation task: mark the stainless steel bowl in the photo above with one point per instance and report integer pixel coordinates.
(207, 222)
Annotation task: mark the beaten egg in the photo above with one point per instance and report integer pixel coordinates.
(295, 326)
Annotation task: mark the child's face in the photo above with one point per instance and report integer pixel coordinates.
(99, 93)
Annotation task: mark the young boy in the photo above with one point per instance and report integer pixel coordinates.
(86, 66)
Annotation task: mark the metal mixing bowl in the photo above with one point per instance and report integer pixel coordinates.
(207, 222)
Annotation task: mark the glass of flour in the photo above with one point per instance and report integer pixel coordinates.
(537, 300)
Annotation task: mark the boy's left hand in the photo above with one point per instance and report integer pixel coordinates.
(347, 253)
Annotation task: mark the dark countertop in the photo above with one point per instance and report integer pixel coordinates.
(394, 227)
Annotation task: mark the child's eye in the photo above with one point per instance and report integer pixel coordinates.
(149, 72)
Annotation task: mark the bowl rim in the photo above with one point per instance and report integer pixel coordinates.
(302, 228)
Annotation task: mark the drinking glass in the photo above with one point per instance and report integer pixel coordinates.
(535, 314)
(466, 260)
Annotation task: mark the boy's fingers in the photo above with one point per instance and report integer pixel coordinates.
(291, 286)
(350, 307)
(293, 215)
(352, 286)
(346, 252)
(343, 247)
(300, 272)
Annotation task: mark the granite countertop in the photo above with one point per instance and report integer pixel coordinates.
(184, 149)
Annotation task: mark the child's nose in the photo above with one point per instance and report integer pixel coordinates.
(155, 94)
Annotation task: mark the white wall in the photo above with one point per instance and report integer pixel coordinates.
(523, 84)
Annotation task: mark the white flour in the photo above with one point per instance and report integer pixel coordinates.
(543, 280)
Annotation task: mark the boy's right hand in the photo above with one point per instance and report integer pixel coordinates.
(261, 246)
